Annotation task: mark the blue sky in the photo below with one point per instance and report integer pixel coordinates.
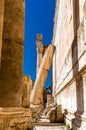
(39, 15)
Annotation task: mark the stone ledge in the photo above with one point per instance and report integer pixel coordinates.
(81, 72)
(49, 124)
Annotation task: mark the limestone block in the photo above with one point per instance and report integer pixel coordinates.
(56, 115)
(59, 114)
(53, 116)
(15, 119)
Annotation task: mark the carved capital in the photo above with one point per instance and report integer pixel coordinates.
(40, 49)
(39, 39)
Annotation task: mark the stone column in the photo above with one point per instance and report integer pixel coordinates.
(42, 75)
(1, 24)
(26, 91)
(49, 99)
(12, 54)
(12, 115)
(40, 50)
(40, 53)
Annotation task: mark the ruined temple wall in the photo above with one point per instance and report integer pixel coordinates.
(69, 62)
(69, 15)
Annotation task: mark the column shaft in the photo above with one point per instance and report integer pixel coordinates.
(12, 54)
(42, 75)
(1, 24)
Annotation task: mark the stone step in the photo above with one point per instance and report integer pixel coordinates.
(49, 126)
(44, 120)
(42, 116)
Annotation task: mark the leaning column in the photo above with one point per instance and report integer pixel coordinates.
(42, 75)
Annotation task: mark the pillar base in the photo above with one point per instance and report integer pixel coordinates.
(15, 118)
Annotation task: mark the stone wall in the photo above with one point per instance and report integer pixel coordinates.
(69, 62)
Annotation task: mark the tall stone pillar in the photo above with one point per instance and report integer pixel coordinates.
(1, 25)
(42, 75)
(40, 50)
(12, 115)
(26, 91)
(12, 54)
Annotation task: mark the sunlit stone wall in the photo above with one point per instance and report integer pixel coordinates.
(69, 62)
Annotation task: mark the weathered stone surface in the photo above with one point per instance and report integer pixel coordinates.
(26, 91)
(36, 112)
(1, 24)
(40, 53)
(12, 116)
(49, 100)
(12, 54)
(15, 119)
(54, 114)
(69, 63)
(59, 127)
(42, 75)
(40, 50)
(59, 114)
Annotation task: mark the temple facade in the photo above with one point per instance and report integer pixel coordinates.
(69, 61)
